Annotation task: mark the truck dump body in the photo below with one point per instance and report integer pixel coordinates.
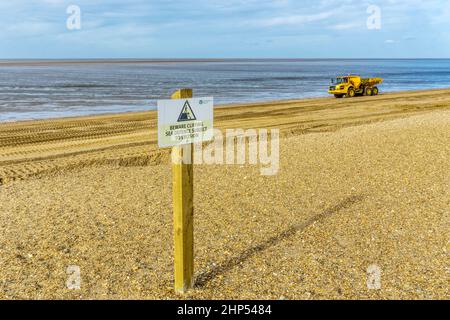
(371, 81)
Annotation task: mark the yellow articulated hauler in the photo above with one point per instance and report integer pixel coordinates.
(352, 85)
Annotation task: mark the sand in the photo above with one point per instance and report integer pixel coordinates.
(362, 182)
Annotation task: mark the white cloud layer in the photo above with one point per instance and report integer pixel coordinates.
(224, 28)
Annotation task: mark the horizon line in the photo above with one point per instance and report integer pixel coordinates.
(6, 61)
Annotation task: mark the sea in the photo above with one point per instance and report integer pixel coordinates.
(51, 89)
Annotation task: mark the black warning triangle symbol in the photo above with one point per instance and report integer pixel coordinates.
(186, 113)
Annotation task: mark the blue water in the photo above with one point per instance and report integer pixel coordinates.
(47, 91)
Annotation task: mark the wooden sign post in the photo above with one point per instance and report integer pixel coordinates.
(183, 121)
(183, 210)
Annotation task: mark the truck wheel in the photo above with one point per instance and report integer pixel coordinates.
(375, 91)
(369, 92)
(351, 93)
(338, 96)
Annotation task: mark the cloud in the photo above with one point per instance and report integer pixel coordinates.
(223, 28)
(346, 26)
(293, 19)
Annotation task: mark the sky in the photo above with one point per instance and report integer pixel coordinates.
(38, 29)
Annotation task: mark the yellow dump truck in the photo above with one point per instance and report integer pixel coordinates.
(353, 85)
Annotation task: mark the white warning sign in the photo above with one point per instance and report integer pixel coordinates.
(184, 121)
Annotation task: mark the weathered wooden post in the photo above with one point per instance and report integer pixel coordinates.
(183, 209)
(183, 121)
